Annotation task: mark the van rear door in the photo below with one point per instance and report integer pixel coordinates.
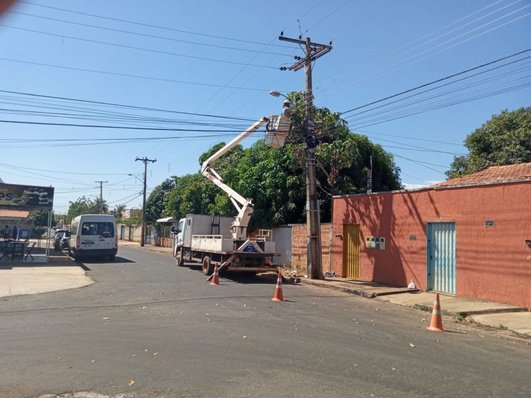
(97, 235)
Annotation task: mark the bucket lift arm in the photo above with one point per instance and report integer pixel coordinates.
(277, 127)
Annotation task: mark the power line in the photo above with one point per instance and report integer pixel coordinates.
(425, 102)
(448, 84)
(147, 25)
(481, 95)
(128, 106)
(102, 126)
(437, 81)
(129, 75)
(438, 35)
(146, 35)
(151, 50)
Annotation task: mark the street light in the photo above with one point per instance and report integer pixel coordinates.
(277, 94)
(144, 160)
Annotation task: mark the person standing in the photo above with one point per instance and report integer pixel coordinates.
(15, 232)
(6, 232)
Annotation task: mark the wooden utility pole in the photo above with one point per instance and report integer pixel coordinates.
(101, 194)
(313, 222)
(143, 233)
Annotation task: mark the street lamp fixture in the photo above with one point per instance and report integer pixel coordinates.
(277, 94)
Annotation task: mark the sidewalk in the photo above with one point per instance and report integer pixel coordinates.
(59, 273)
(495, 315)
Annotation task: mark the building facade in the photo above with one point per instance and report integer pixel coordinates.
(469, 236)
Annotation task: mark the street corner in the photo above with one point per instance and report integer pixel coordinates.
(42, 278)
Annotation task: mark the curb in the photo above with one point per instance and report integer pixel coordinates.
(357, 292)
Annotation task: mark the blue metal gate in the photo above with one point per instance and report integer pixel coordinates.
(441, 257)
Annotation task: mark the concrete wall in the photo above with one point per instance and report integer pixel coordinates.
(299, 247)
(492, 263)
(132, 233)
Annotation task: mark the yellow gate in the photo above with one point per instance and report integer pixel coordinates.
(351, 251)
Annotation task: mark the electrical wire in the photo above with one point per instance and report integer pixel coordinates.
(439, 80)
(437, 33)
(151, 50)
(145, 34)
(128, 75)
(425, 100)
(146, 24)
(127, 106)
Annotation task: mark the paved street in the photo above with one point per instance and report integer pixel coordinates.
(146, 328)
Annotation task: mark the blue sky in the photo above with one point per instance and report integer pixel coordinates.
(73, 62)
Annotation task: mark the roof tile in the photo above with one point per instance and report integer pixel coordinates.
(492, 175)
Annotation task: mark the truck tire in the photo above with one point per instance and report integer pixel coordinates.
(208, 268)
(179, 257)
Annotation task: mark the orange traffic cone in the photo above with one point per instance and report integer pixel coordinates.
(278, 296)
(436, 318)
(215, 276)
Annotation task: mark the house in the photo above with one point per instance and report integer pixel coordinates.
(18, 218)
(469, 236)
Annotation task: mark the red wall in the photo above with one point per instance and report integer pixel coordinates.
(492, 263)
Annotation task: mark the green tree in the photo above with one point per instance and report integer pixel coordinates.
(275, 177)
(504, 139)
(82, 205)
(40, 218)
(156, 200)
(99, 206)
(117, 211)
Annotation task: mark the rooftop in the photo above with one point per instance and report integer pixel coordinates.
(492, 175)
(4, 213)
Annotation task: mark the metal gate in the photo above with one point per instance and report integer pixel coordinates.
(441, 257)
(351, 251)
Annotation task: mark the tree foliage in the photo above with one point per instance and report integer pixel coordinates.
(504, 139)
(156, 200)
(40, 218)
(275, 177)
(84, 205)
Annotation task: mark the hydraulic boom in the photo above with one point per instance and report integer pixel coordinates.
(277, 128)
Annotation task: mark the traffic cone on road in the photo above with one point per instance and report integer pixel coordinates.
(215, 276)
(436, 318)
(278, 296)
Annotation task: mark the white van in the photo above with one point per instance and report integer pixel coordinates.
(93, 235)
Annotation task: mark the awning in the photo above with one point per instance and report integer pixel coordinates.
(166, 219)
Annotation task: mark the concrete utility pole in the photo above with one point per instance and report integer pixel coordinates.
(101, 194)
(313, 51)
(143, 233)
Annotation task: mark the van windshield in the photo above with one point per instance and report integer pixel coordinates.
(105, 229)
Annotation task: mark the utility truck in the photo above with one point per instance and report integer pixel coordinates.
(223, 241)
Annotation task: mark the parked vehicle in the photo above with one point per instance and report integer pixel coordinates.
(61, 239)
(207, 240)
(93, 235)
(223, 241)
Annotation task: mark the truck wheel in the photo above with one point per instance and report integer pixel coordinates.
(179, 257)
(207, 266)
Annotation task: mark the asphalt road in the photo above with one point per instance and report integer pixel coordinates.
(150, 329)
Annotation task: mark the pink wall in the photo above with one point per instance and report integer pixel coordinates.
(492, 263)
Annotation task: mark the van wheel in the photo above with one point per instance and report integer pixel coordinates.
(179, 257)
(207, 266)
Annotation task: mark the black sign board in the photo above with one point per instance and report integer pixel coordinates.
(26, 197)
